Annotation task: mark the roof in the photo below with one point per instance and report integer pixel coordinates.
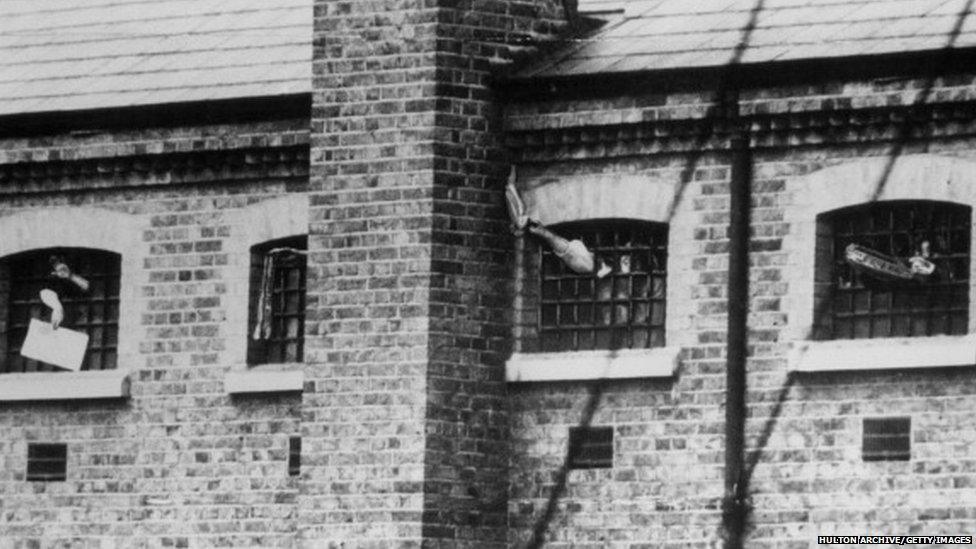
(70, 55)
(672, 34)
(59, 55)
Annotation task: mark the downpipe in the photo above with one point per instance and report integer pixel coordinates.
(735, 508)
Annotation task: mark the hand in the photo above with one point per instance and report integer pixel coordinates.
(61, 270)
(57, 316)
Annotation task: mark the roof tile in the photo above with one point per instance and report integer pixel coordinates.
(62, 55)
(671, 34)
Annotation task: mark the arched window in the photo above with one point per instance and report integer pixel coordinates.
(623, 310)
(276, 329)
(852, 303)
(94, 312)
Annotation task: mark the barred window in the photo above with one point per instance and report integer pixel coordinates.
(864, 306)
(94, 312)
(277, 304)
(623, 310)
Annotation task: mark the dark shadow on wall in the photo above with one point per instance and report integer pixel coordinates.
(905, 130)
(756, 455)
(904, 133)
(726, 110)
(559, 488)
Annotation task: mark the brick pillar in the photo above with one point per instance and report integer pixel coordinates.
(409, 273)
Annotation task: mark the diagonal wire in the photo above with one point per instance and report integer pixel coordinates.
(903, 132)
(552, 504)
(723, 95)
(902, 137)
(726, 104)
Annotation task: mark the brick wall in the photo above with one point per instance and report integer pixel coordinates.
(403, 420)
(410, 435)
(180, 463)
(804, 430)
(413, 295)
(666, 482)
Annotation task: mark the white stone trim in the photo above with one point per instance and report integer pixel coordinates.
(572, 198)
(882, 353)
(660, 362)
(71, 227)
(912, 177)
(87, 227)
(270, 219)
(642, 197)
(102, 384)
(241, 381)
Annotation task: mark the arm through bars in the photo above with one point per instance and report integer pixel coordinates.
(573, 253)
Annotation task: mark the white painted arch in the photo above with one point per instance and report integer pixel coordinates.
(271, 219)
(576, 198)
(911, 177)
(86, 227)
(651, 197)
(268, 219)
(68, 227)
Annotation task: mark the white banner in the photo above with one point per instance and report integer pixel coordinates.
(63, 348)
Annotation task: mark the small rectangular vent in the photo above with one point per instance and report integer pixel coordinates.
(590, 447)
(887, 439)
(294, 456)
(47, 462)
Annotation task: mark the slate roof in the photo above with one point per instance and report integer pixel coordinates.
(60, 55)
(672, 34)
(65, 55)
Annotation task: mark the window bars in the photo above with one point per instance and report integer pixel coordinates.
(623, 310)
(278, 304)
(864, 307)
(95, 312)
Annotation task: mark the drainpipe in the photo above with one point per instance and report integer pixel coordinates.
(734, 506)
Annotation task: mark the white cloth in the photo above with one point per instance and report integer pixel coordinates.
(576, 256)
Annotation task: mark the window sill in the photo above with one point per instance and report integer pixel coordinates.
(282, 378)
(89, 385)
(883, 353)
(660, 362)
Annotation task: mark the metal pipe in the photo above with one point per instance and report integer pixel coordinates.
(735, 509)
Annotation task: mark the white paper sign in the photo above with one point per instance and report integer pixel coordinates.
(62, 347)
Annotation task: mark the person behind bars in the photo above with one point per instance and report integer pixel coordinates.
(58, 284)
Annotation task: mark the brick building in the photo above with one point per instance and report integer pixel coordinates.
(310, 325)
